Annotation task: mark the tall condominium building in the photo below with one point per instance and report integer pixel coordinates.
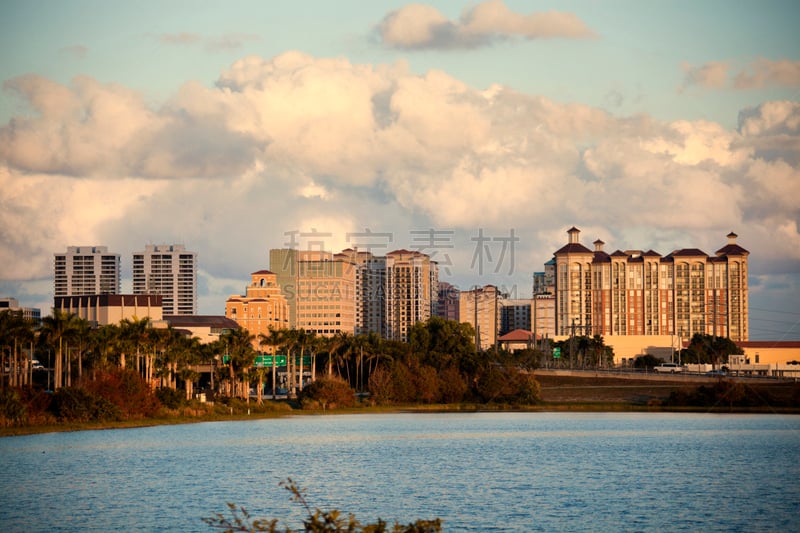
(370, 290)
(644, 293)
(262, 307)
(320, 289)
(86, 270)
(412, 282)
(171, 271)
(480, 307)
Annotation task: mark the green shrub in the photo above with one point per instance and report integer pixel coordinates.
(171, 398)
(75, 404)
(327, 393)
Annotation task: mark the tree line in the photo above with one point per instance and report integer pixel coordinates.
(438, 364)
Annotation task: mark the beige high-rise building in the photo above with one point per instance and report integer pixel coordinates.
(412, 287)
(644, 293)
(262, 307)
(320, 289)
(480, 307)
(86, 270)
(370, 290)
(543, 319)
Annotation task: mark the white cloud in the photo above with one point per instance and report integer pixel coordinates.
(422, 26)
(295, 143)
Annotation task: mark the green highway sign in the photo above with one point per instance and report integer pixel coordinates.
(267, 360)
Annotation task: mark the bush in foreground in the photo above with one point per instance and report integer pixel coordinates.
(316, 521)
(327, 393)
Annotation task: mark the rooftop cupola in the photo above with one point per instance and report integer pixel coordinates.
(574, 235)
(598, 245)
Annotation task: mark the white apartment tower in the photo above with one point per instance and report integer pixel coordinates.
(171, 271)
(86, 270)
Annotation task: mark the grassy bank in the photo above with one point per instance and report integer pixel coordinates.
(558, 394)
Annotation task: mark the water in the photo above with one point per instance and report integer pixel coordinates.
(478, 472)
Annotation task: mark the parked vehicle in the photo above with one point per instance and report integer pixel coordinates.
(669, 368)
(720, 373)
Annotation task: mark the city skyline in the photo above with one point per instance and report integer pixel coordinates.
(477, 130)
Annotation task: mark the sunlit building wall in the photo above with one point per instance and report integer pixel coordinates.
(262, 307)
(643, 293)
(412, 281)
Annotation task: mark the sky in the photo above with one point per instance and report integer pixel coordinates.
(476, 132)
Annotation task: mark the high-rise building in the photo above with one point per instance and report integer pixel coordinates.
(480, 307)
(447, 305)
(515, 313)
(543, 319)
(412, 281)
(320, 289)
(170, 271)
(644, 293)
(263, 307)
(544, 282)
(370, 306)
(86, 270)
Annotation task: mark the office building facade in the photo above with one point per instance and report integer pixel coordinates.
(320, 289)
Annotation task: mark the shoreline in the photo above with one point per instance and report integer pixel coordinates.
(546, 407)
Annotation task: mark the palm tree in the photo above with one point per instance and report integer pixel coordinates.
(132, 336)
(305, 340)
(239, 346)
(275, 339)
(57, 328)
(15, 330)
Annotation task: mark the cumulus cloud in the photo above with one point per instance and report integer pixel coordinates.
(422, 26)
(759, 74)
(295, 142)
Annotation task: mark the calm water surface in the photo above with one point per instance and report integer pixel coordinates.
(478, 472)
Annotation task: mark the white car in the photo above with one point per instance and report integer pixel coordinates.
(669, 368)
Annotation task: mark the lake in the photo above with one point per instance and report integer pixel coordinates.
(477, 471)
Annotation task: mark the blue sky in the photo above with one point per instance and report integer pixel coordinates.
(227, 126)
